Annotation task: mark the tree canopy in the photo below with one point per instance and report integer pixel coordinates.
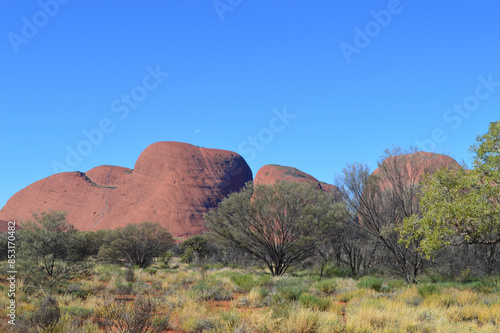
(279, 224)
(136, 244)
(461, 206)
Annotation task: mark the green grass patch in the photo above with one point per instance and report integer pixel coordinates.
(370, 282)
(428, 289)
(244, 282)
(327, 287)
(314, 302)
(291, 288)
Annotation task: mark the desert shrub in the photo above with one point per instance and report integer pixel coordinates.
(314, 302)
(203, 325)
(136, 244)
(327, 286)
(245, 282)
(44, 319)
(78, 291)
(140, 318)
(194, 247)
(211, 290)
(370, 282)
(129, 274)
(393, 284)
(428, 289)
(330, 270)
(141, 287)
(121, 287)
(291, 288)
(265, 280)
(188, 256)
(80, 311)
(151, 271)
(165, 258)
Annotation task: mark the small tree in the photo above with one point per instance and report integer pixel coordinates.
(136, 244)
(194, 247)
(46, 250)
(279, 224)
(379, 202)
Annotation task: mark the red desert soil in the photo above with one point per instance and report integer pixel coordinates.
(172, 184)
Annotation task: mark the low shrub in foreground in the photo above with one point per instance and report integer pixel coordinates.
(314, 302)
(370, 282)
(211, 290)
(327, 287)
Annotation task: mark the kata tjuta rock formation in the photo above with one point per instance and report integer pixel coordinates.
(172, 184)
(272, 173)
(417, 164)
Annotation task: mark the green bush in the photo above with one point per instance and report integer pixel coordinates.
(428, 289)
(188, 256)
(265, 280)
(245, 282)
(211, 290)
(370, 282)
(331, 271)
(393, 284)
(291, 288)
(78, 291)
(327, 287)
(122, 287)
(166, 257)
(129, 275)
(314, 302)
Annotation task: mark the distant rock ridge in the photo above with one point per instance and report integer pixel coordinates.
(272, 173)
(172, 183)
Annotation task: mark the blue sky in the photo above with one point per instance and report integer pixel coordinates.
(310, 84)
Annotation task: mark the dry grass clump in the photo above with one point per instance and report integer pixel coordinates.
(237, 300)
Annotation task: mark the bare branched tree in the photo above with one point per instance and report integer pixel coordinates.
(379, 202)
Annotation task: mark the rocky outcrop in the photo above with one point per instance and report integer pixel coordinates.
(172, 183)
(272, 173)
(419, 163)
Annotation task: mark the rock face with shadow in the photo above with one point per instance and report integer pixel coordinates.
(172, 183)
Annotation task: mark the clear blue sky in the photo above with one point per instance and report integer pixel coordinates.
(354, 85)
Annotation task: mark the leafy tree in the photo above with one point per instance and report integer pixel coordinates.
(461, 206)
(136, 244)
(279, 224)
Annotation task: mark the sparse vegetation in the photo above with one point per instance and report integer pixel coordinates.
(258, 271)
(251, 300)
